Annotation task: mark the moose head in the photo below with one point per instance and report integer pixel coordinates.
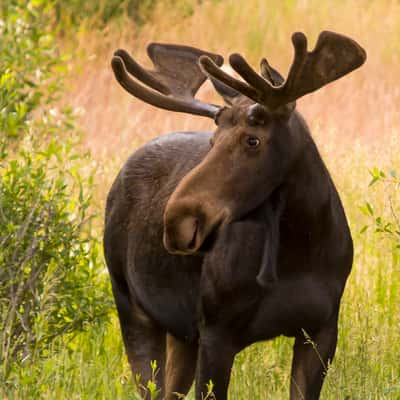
(256, 143)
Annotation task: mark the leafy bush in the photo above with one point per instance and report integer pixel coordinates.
(30, 66)
(385, 222)
(72, 14)
(51, 272)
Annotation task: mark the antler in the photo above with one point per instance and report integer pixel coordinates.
(333, 57)
(175, 80)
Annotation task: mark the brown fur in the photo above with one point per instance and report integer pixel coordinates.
(216, 241)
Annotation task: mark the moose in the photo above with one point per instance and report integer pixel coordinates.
(214, 241)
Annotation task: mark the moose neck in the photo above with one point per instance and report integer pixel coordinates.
(308, 184)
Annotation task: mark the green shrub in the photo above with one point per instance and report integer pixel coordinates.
(385, 222)
(30, 66)
(71, 14)
(51, 273)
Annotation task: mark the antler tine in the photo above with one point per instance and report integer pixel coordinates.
(175, 79)
(299, 41)
(257, 88)
(212, 70)
(181, 70)
(158, 100)
(140, 73)
(240, 65)
(334, 56)
(265, 91)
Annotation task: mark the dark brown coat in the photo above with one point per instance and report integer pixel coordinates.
(217, 240)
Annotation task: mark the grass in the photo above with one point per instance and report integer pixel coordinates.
(356, 124)
(91, 366)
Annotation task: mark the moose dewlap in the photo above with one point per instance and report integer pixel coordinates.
(217, 240)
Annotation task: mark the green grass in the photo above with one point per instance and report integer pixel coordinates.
(91, 366)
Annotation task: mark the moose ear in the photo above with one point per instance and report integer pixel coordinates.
(230, 95)
(270, 73)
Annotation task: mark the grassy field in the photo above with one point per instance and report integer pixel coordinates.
(356, 124)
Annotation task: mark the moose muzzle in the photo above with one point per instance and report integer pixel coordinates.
(187, 224)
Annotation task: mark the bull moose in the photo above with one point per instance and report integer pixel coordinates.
(215, 241)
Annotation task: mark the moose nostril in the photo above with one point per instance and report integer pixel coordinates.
(181, 234)
(188, 231)
(192, 243)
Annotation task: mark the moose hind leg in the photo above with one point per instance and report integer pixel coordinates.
(311, 359)
(180, 367)
(144, 341)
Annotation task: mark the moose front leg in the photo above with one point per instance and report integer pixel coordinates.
(311, 359)
(215, 360)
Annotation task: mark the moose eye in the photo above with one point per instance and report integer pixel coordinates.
(252, 141)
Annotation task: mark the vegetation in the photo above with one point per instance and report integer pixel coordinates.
(59, 335)
(52, 284)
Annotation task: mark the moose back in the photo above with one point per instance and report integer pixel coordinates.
(214, 241)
